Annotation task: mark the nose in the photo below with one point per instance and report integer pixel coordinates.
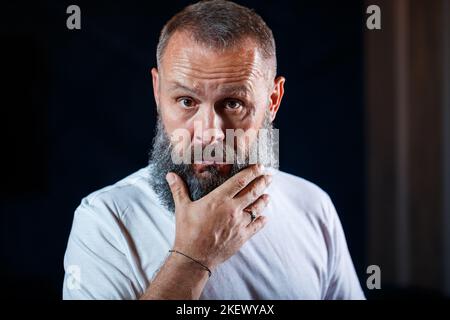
(208, 126)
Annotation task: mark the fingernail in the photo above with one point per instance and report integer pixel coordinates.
(269, 178)
(170, 177)
(261, 167)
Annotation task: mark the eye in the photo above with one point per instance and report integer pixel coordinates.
(233, 104)
(186, 102)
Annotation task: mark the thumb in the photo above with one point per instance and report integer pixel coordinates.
(178, 188)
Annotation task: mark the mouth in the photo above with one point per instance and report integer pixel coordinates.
(205, 169)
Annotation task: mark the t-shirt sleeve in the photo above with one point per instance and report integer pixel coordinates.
(343, 282)
(95, 262)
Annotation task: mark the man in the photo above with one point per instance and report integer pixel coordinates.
(211, 229)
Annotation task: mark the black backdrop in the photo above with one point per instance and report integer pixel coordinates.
(77, 114)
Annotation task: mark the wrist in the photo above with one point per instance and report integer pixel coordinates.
(188, 265)
(179, 278)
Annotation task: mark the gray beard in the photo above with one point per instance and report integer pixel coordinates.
(161, 163)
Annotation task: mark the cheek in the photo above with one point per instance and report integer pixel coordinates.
(251, 126)
(252, 120)
(172, 119)
(178, 129)
(174, 123)
(257, 112)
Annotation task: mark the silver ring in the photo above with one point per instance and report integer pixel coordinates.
(252, 214)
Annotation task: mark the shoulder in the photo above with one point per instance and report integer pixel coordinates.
(115, 199)
(304, 195)
(299, 188)
(298, 184)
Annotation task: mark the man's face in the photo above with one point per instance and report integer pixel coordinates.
(233, 89)
(197, 87)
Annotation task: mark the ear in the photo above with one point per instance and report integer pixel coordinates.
(155, 81)
(276, 96)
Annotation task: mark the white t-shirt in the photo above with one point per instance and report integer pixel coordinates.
(121, 236)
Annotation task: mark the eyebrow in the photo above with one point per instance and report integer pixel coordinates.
(236, 90)
(239, 90)
(179, 86)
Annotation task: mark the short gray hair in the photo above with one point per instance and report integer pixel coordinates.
(220, 24)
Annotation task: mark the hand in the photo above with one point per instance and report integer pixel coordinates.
(214, 227)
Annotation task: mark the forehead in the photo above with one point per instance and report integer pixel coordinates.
(191, 64)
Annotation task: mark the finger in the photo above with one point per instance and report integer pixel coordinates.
(253, 191)
(258, 206)
(178, 188)
(256, 225)
(239, 181)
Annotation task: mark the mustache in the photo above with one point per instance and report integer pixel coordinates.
(215, 153)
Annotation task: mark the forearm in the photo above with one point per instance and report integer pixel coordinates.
(178, 279)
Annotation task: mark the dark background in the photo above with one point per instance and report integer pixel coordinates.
(77, 114)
